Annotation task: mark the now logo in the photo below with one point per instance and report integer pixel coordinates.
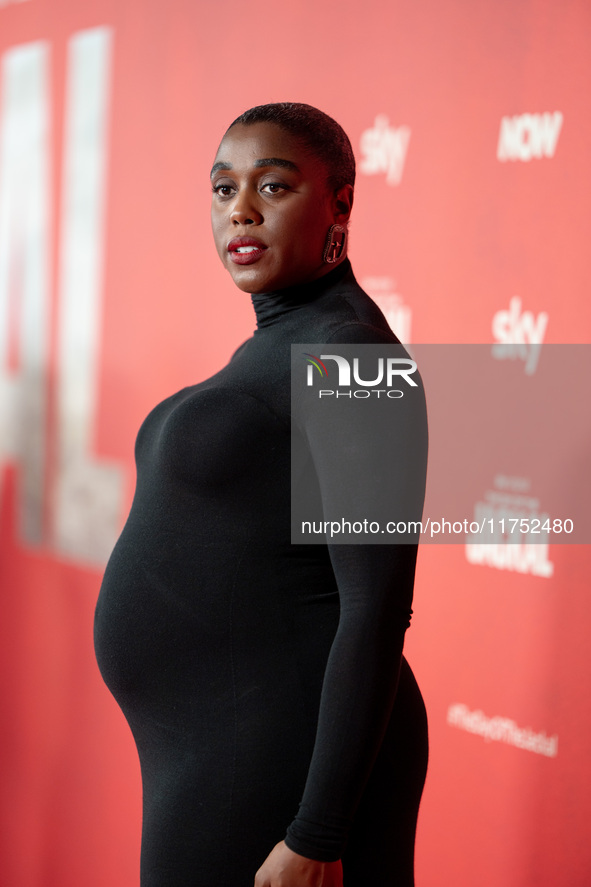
(529, 136)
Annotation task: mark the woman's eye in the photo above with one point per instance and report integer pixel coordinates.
(223, 190)
(273, 188)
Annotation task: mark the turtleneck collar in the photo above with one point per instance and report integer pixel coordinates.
(271, 307)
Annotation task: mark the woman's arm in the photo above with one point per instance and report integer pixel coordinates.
(357, 465)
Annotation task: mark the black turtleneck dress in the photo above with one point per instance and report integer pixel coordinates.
(263, 681)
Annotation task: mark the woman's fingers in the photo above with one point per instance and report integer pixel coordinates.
(284, 868)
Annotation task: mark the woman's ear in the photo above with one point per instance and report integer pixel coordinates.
(343, 204)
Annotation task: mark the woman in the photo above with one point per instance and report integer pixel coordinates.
(257, 675)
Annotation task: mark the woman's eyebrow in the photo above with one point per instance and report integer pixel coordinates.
(276, 161)
(264, 161)
(220, 165)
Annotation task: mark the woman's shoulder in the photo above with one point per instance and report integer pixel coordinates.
(352, 317)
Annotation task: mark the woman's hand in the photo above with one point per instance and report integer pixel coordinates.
(284, 868)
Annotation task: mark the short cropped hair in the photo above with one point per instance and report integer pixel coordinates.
(322, 135)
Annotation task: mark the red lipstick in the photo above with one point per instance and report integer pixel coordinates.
(245, 250)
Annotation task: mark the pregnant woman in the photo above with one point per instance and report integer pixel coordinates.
(281, 734)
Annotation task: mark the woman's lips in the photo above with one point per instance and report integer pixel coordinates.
(245, 250)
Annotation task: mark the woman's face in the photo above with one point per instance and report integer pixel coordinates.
(271, 208)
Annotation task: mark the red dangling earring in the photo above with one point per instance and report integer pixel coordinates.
(335, 244)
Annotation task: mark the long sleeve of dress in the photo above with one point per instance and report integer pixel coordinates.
(375, 585)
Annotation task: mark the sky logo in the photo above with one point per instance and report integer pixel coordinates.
(384, 150)
(519, 334)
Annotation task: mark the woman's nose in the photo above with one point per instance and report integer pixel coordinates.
(244, 211)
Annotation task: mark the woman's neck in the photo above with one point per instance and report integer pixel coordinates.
(272, 306)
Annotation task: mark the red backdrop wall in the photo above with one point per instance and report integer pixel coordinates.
(471, 126)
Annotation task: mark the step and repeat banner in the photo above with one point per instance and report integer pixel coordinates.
(472, 224)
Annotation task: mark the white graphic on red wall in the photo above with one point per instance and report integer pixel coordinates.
(519, 334)
(529, 136)
(514, 530)
(399, 316)
(84, 508)
(501, 729)
(384, 150)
